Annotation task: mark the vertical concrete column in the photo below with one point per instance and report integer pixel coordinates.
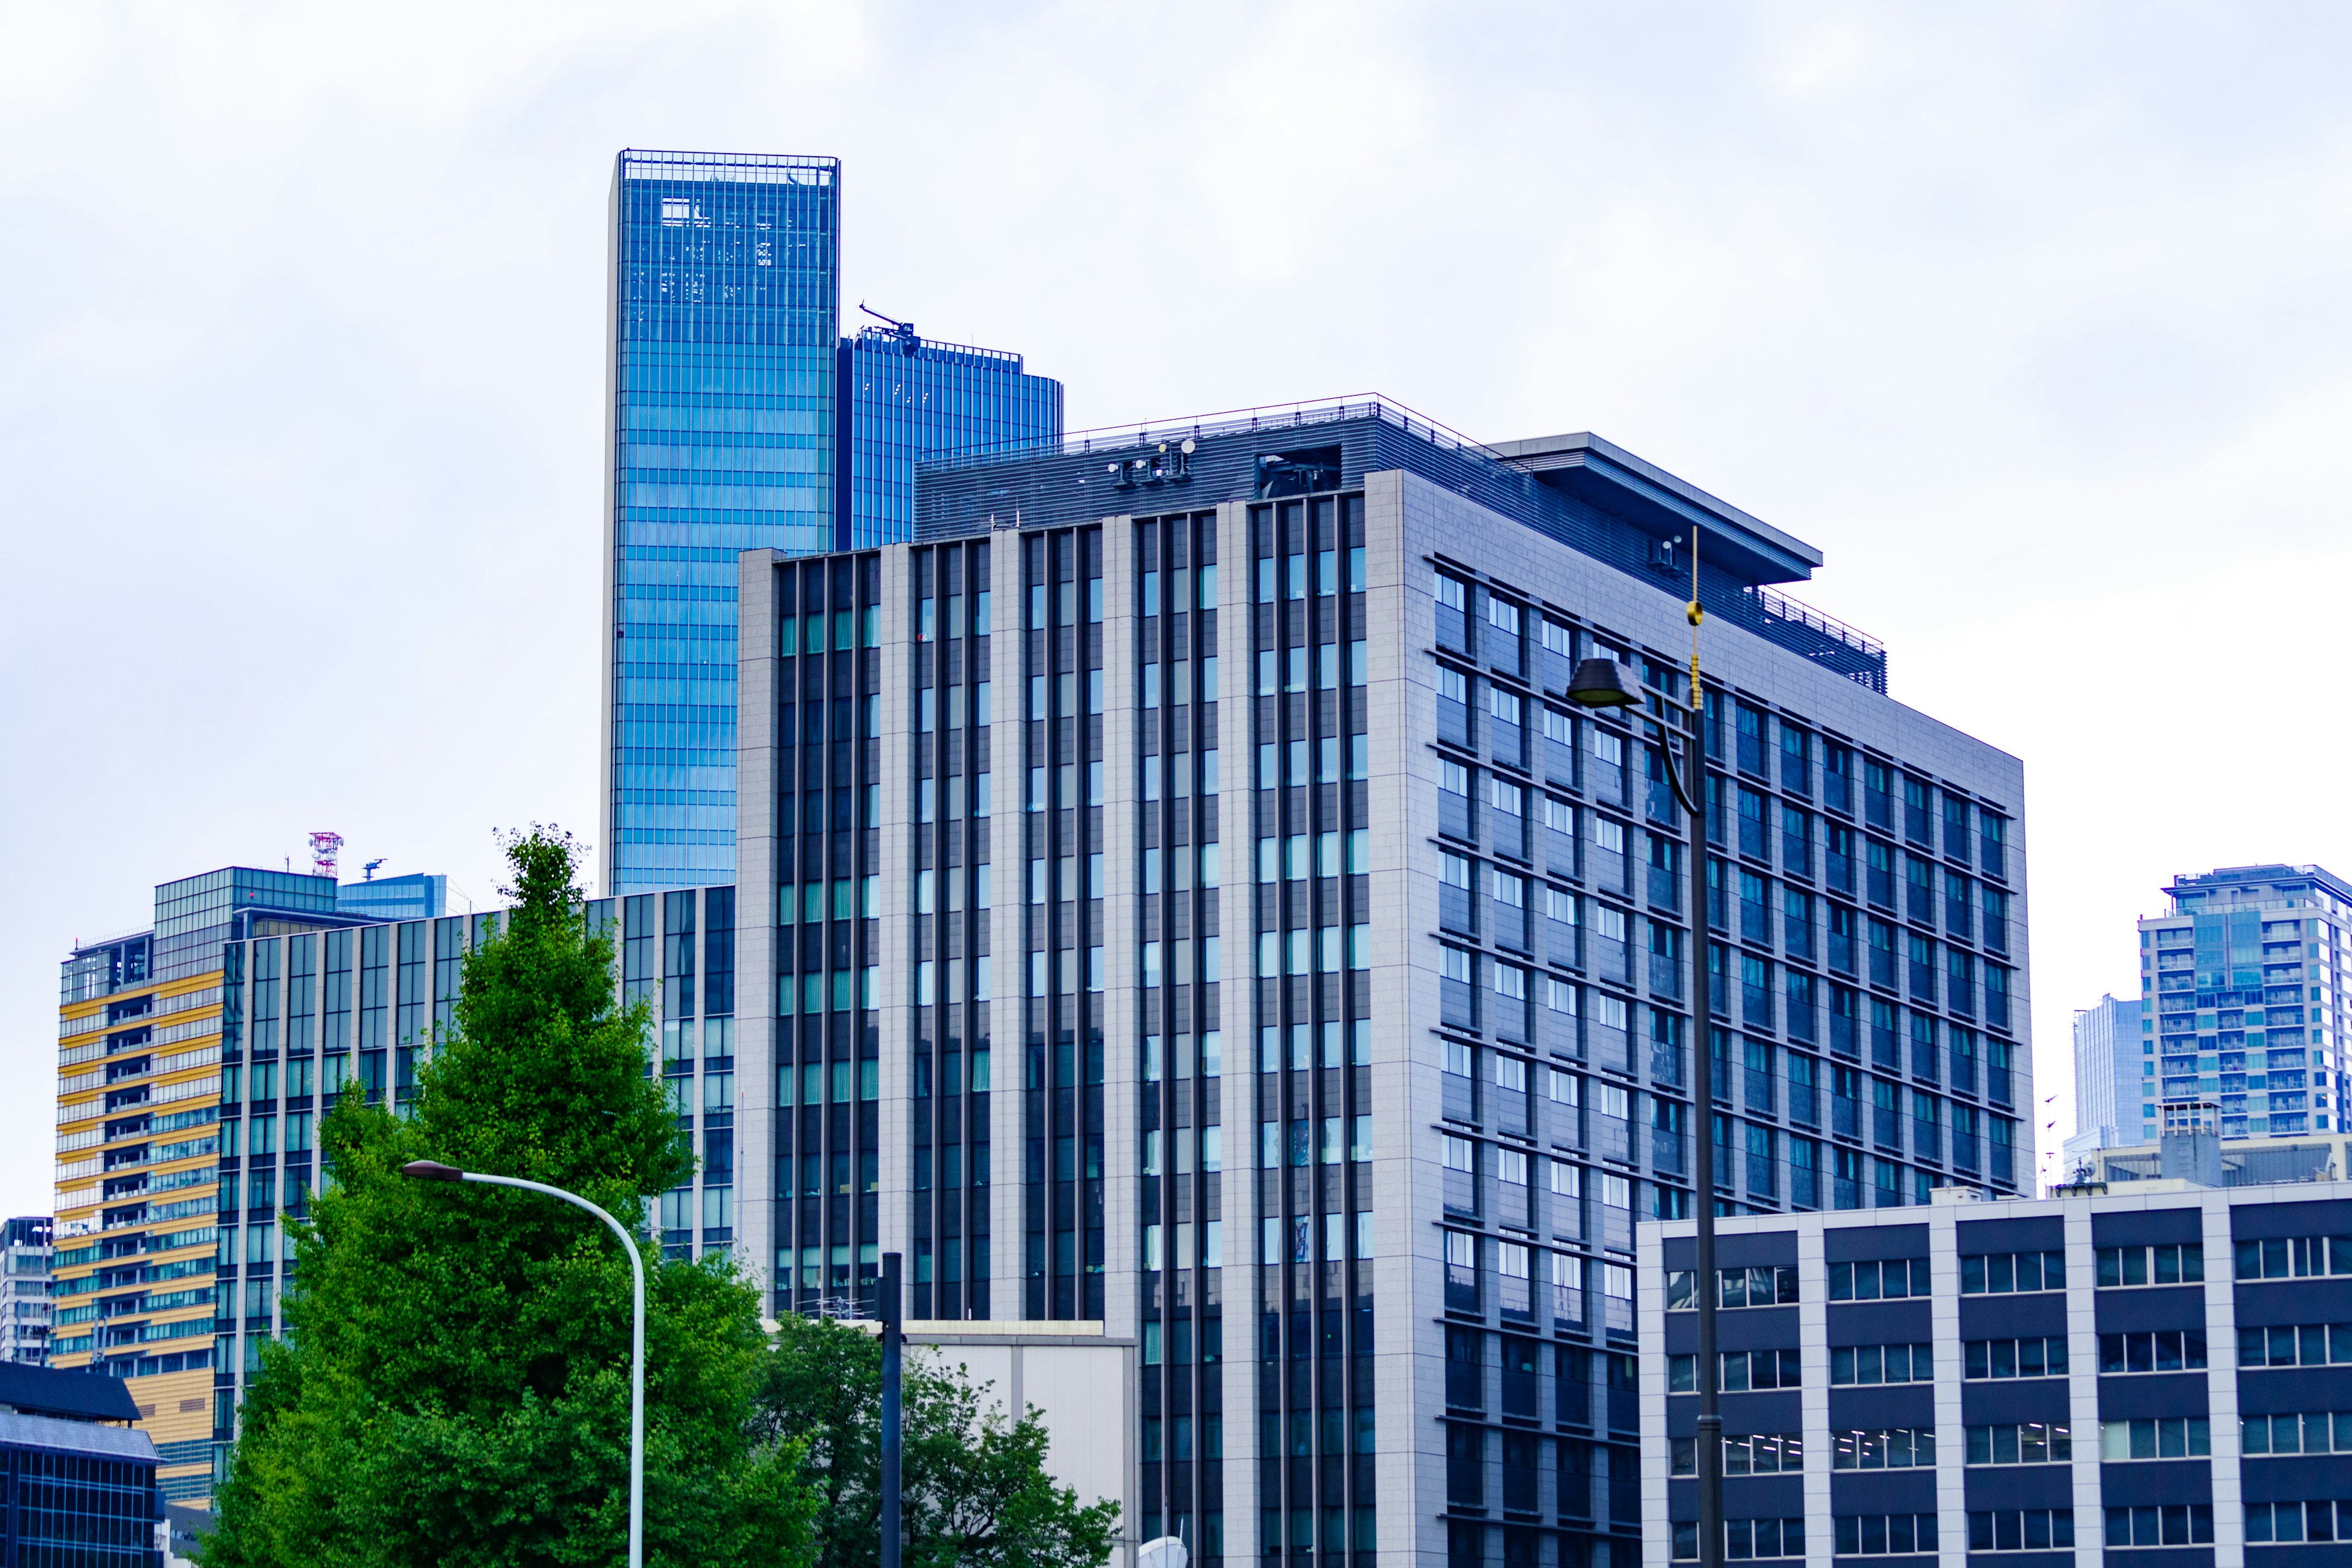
(1399, 622)
(1120, 997)
(757, 1223)
(1650, 1322)
(2083, 1384)
(1814, 1400)
(895, 930)
(1009, 916)
(2221, 1384)
(1237, 1017)
(1951, 1429)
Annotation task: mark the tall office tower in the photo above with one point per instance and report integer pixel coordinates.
(156, 1031)
(1199, 908)
(24, 1248)
(2241, 986)
(2110, 1062)
(740, 418)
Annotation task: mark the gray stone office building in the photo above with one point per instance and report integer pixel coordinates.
(1174, 891)
(2147, 1371)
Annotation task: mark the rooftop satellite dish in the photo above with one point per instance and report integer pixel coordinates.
(1167, 1552)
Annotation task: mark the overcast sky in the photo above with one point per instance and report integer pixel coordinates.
(2034, 318)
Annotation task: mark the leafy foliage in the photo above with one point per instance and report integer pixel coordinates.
(454, 1387)
(972, 1484)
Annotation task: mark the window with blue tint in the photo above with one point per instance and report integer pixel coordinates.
(906, 398)
(741, 418)
(723, 440)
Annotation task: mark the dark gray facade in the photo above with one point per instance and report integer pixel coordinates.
(2148, 1375)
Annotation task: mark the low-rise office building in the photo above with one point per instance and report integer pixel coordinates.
(1082, 1383)
(76, 1479)
(2159, 1366)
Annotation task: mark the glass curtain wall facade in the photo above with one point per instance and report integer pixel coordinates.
(742, 419)
(905, 398)
(2241, 1003)
(25, 1247)
(1377, 1207)
(76, 1490)
(2114, 1071)
(188, 1108)
(724, 320)
(298, 1016)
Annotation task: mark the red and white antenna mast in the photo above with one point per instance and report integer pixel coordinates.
(324, 847)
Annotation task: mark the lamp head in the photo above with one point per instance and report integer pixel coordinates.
(1603, 683)
(432, 1171)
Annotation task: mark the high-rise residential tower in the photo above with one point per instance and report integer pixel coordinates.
(2114, 1071)
(740, 417)
(1175, 890)
(2242, 991)
(157, 1160)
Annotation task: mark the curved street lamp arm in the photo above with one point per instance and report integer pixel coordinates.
(637, 1351)
(1673, 774)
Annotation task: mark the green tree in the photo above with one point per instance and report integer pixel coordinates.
(972, 1484)
(452, 1389)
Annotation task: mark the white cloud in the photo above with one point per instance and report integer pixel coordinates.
(2033, 320)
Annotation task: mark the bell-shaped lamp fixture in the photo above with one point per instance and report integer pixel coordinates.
(1603, 683)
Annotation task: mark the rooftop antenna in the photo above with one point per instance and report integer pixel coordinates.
(909, 343)
(324, 848)
(367, 872)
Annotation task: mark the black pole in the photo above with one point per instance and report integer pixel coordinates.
(890, 1423)
(1704, 1284)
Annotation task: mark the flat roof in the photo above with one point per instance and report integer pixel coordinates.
(67, 1392)
(77, 1437)
(1600, 471)
(2254, 876)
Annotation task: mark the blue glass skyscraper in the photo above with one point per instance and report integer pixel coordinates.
(724, 301)
(741, 419)
(910, 398)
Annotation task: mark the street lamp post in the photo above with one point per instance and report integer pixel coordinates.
(433, 1171)
(1605, 683)
(893, 1344)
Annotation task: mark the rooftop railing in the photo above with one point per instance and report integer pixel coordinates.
(1489, 479)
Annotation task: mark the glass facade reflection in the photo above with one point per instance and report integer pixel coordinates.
(725, 296)
(908, 398)
(741, 419)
